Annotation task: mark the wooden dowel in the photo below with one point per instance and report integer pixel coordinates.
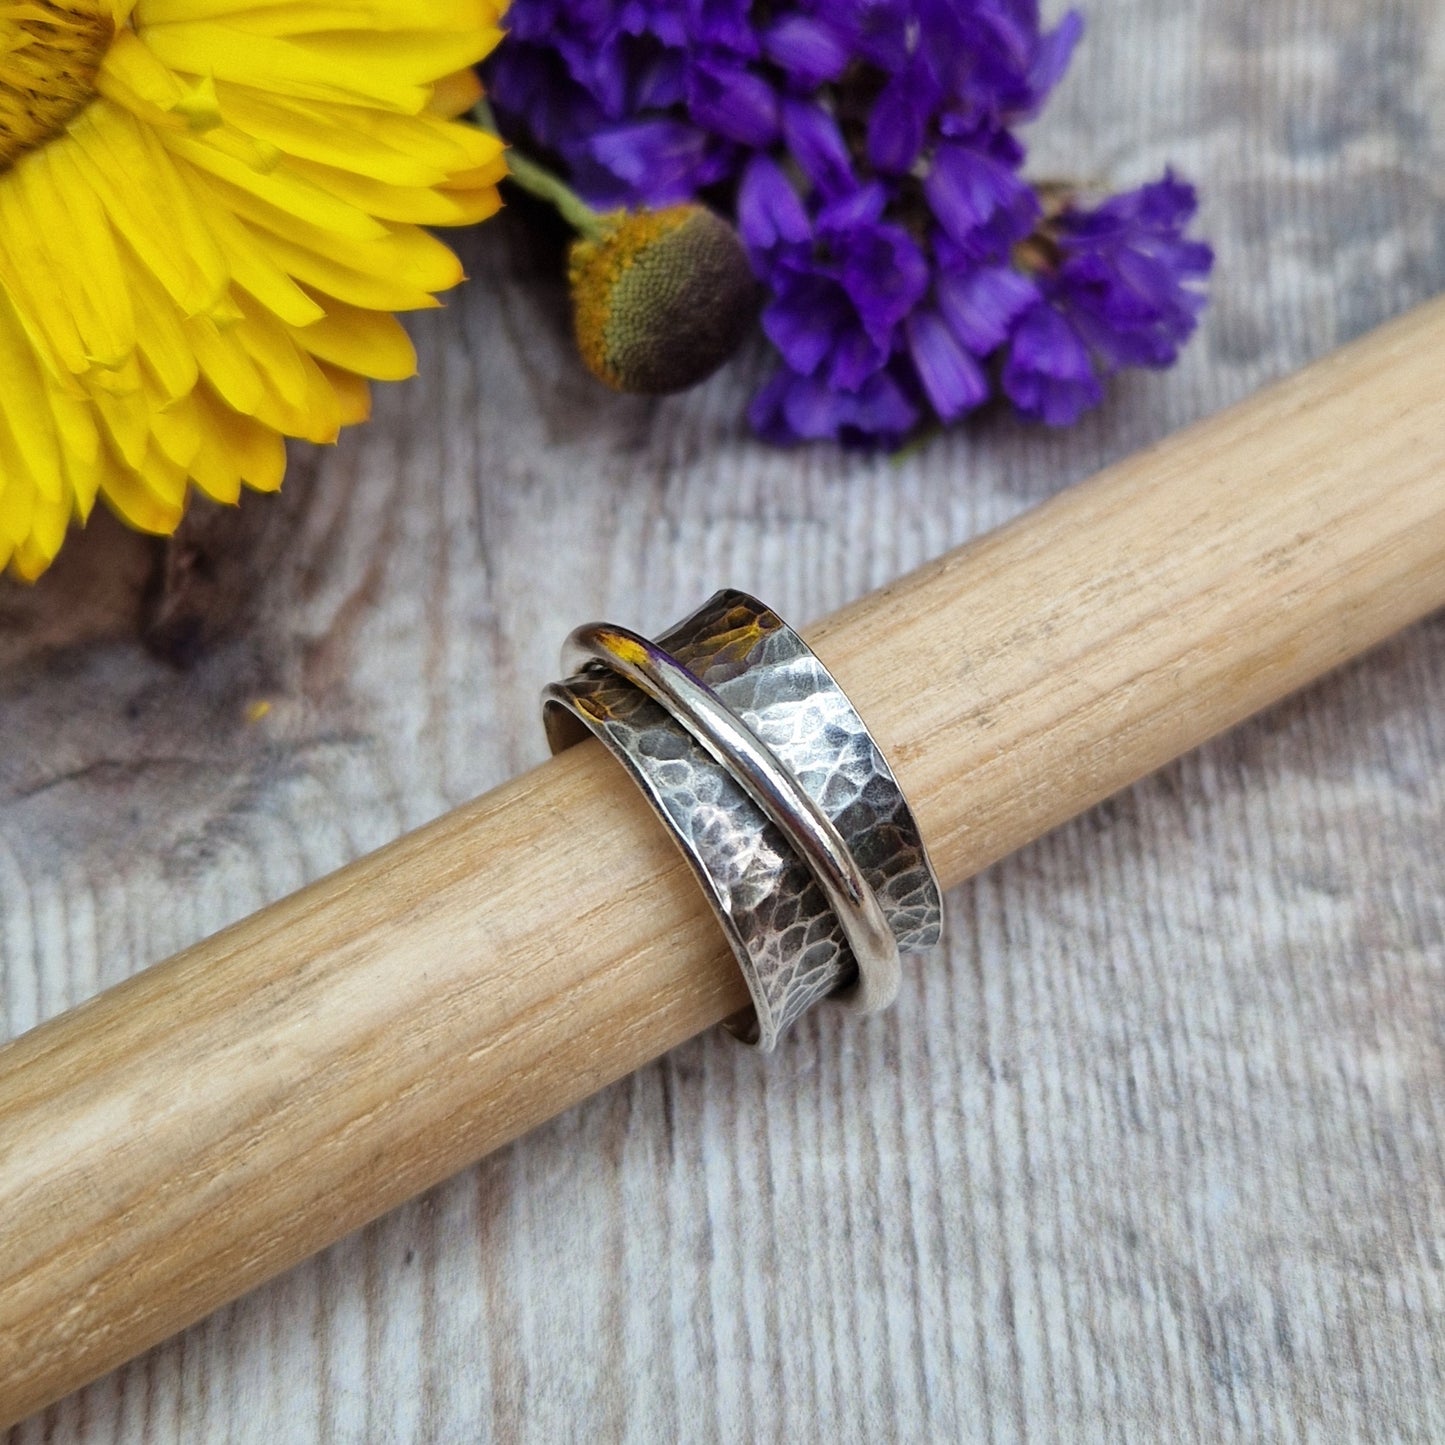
(184, 1136)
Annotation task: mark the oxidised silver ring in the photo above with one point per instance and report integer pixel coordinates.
(778, 797)
(788, 805)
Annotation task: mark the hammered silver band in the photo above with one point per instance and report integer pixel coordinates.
(772, 787)
(789, 806)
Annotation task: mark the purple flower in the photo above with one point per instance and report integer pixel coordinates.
(1119, 295)
(1049, 373)
(979, 200)
(1125, 273)
(868, 150)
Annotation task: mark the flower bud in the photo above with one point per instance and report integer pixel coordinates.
(661, 299)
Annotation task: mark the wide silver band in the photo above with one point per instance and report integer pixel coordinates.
(771, 785)
(789, 806)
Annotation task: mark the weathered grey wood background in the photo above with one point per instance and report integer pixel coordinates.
(1156, 1154)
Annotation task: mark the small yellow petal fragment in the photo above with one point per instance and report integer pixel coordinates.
(199, 106)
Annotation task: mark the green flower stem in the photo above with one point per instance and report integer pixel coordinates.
(538, 181)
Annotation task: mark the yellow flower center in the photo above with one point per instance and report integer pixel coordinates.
(50, 51)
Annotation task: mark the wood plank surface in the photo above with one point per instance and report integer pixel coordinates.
(1156, 1153)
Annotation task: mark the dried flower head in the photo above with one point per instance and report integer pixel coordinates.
(661, 298)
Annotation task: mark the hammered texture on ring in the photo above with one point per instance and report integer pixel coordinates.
(789, 941)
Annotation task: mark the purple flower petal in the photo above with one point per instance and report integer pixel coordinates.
(791, 408)
(723, 24)
(808, 48)
(1052, 58)
(885, 274)
(980, 307)
(967, 189)
(770, 211)
(803, 320)
(1048, 374)
(883, 33)
(860, 208)
(950, 376)
(767, 412)
(815, 142)
(658, 82)
(733, 103)
(658, 159)
(855, 356)
(898, 123)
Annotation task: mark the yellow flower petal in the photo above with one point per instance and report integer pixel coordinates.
(370, 343)
(455, 94)
(336, 66)
(398, 273)
(282, 192)
(402, 150)
(235, 450)
(33, 446)
(353, 395)
(296, 398)
(150, 497)
(469, 193)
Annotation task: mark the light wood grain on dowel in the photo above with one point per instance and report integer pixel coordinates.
(182, 1137)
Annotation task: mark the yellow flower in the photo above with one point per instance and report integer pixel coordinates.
(208, 211)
